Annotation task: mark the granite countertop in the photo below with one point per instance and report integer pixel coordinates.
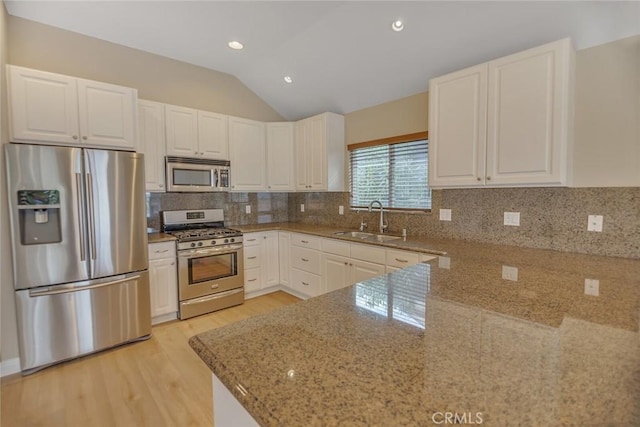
(447, 336)
(156, 237)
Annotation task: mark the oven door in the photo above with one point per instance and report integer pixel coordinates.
(207, 271)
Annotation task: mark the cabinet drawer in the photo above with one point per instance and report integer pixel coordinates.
(252, 257)
(162, 250)
(252, 279)
(305, 259)
(251, 239)
(306, 283)
(305, 241)
(401, 259)
(368, 253)
(336, 247)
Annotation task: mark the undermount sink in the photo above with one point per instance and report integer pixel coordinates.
(367, 236)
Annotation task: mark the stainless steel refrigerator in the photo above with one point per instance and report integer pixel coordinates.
(79, 238)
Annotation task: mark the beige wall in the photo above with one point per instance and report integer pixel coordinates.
(607, 115)
(8, 332)
(157, 78)
(399, 117)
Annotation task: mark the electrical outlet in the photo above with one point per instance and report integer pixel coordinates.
(444, 262)
(510, 273)
(512, 218)
(247, 209)
(340, 210)
(301, 207)
(592, 287)
(445, 214)
(594, 223)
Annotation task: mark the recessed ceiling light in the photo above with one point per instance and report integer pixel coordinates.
(288, 79)
(233, 44)
(397, 25)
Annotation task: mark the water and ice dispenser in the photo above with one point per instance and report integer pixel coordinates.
(39, 213)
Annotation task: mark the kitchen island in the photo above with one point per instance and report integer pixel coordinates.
(494, 335)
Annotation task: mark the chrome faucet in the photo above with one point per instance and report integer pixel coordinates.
(383, 223)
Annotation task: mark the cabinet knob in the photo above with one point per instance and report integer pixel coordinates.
(488, 178)
(346, 263)
(84, 137)
(201, 153)
(479, 179)
(173, 263)
(161, 185)
(75, 137)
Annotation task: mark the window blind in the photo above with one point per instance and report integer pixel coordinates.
(395, 174)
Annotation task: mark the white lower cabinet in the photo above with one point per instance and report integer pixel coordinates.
(163, 281)
(344, 264)
(336, 272)
(305, 265)
(261, 261)
(284, 252)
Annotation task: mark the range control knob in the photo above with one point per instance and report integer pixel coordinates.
(193, 245)
(213, 243)
(233, 240)
(199, 243)
(226, 240)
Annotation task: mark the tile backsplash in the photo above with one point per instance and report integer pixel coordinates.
(550, 218)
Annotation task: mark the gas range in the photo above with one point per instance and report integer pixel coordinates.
(199, 228)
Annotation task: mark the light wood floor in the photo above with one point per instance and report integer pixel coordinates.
(158, 382)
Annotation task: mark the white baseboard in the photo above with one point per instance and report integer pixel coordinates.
(164, 318)
(8, 367)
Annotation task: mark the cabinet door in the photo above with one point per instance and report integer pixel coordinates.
(317, 153)
(302, 129)
(271, 257)
(284, 251)
(280, 157)
(457, 128)
(528, 116)
(163, 278)
(213, 136)
(107, 114)
(336, 272)
(247, 150)
(182, 131)
(151, 142)
(363, 270)
(43, 107)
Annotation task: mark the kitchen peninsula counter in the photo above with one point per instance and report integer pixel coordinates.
(497, 334)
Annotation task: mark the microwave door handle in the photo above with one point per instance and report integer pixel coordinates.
(215, 178)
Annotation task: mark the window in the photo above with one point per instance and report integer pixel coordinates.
(393, 171)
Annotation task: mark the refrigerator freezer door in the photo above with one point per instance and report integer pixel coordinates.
(52, 251)
(63, 322)
(116, 212)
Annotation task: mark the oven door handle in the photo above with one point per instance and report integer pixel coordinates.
(190, 253)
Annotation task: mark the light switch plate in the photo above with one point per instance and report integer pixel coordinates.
(247, 209)
(592, 287)
(301, 207)
(512, 218)
(510, 273)
(445, 214)
(341, 210)
(594, 223)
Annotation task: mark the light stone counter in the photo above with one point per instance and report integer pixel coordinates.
(160, 237)
(449, 339)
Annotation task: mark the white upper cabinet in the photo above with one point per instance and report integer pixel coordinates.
(247, 149)
(182, 131)
(280, 162)
(213, 138)
(507, 122)
(151, 142)
(53, 108)
(319, 153)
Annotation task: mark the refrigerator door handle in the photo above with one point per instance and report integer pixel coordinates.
(82, 237)
(92, 218)
(63, 289)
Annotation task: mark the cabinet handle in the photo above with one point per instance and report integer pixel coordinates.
(75, 137)
(163, 251)
(252, 257)
(304, 241)
(488, 178)
(251, 240)
(479, 179)
(161, 185)
(350, 264)
(304, 259)
(269, 187)
(305, 283)
(401, 260)
(84, 137)
(195, 153)
(264, 237)
(216, 286)
(252, 280)
(346, 263)
(173, 263)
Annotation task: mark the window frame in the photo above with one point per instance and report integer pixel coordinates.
(411, 137)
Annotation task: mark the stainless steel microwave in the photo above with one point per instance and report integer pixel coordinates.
(186, 174)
